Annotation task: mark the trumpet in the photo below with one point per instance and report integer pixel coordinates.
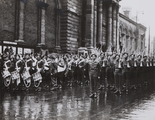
(141, 63)
(128, 65)
(147, 63)
(103, 65)
(135, 64)
(119, 64)
(153, 62)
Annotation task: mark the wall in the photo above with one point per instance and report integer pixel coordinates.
(7, 19)
(30, 34)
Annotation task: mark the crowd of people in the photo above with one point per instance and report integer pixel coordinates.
(119, 72)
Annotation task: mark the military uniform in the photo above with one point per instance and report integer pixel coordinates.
(93, 67)
(117, 76)
(132, 72)
(103, 79)
(125, 74)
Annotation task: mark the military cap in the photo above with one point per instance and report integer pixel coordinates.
(125, 53)
(93, 54)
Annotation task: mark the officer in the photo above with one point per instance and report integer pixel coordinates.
(94, 72)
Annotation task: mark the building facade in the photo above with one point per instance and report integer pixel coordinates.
(66, 25)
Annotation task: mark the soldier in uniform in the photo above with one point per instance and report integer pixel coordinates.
(125, 73)
(81, 65)
(144, 70)
(113, 56)
(108, 70)
(103, 79)
(53, 71)
(1, 70)
(132, 70)
(117, 75)
(94, 72)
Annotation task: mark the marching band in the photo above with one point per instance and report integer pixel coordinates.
(119, 72)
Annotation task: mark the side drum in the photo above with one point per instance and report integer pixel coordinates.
(6, 78)
(26, 78)
(37, 79)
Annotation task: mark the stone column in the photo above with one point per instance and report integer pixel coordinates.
(57, 27)
(42, 27)
(99, 22)
(89, 23)
(117, 28)
(114, 26)
(21, 21)
(109, 42)
(57, 37)
(95, 23)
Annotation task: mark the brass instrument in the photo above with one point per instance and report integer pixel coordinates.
(141, 63)
(135, 64)
(128, 65)
(150, 64)
(119, 64)
(153, 62)
(147, 63)
(103, 65)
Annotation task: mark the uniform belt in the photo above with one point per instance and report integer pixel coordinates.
(117, 69)
(93, 69)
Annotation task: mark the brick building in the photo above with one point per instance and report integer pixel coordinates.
(66, 25)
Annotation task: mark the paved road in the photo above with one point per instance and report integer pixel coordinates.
(75, 104)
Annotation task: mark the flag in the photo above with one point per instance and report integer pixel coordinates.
(24, 1)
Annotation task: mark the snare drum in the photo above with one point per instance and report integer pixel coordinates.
(26, 75)
(15, 75)
(37, 76)
(6, 74)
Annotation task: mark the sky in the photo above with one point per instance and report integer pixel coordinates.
(145, 10)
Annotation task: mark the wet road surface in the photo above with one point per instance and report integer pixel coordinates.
(75, 104)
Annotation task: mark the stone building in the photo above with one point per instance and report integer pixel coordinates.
(66, 25)
(131, 35)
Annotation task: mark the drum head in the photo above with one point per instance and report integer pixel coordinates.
(7, 81)
(27, 82)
